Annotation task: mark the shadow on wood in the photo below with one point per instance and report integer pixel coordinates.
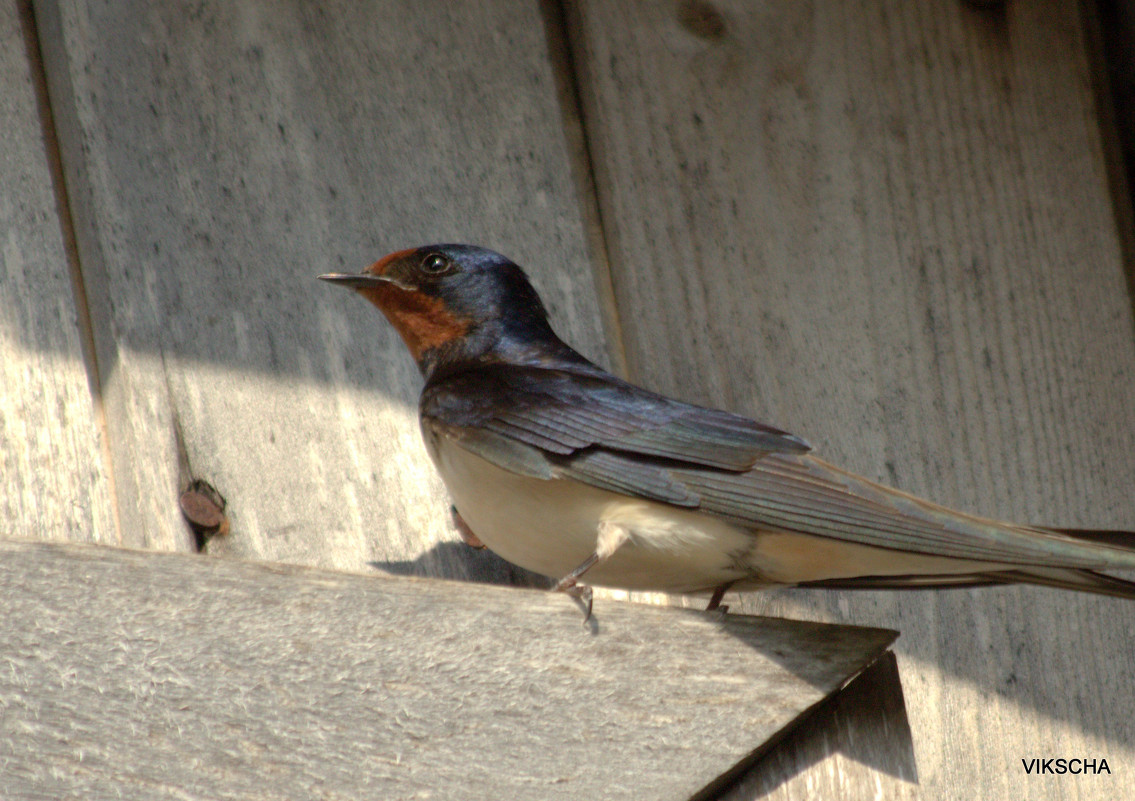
(171, 675)
(866, 722)
(452, 560)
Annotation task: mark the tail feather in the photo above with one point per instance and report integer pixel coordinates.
(940, 582)
(1115, 539)
(1072, 579)
(1062, 578)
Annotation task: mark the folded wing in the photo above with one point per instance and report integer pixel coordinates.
(586, 425)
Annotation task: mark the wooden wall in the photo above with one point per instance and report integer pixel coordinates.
(886, 226)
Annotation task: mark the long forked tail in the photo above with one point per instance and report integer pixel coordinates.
(1068, 579)
(1087, 580)
(1061, 577)
(1116, 539)
(1064, 578)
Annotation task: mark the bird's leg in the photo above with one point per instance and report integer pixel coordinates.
(569, 584)
(466, 533)
(718, 594)
(611, 536)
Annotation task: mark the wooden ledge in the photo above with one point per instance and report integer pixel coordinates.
(178, 676)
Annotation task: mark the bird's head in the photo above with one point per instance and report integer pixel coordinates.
(454, 303)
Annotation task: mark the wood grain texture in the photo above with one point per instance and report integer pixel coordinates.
(848, 747)
(886, 227)
(152, 675)
(220, 157)
(54, 479)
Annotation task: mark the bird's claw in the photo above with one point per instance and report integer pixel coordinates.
(715, 604)
(581, 592)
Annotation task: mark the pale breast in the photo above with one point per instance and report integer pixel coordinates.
(551, 526)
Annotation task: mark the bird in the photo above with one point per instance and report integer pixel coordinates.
(567, 470)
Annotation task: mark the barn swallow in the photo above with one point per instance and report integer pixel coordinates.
(566, 470)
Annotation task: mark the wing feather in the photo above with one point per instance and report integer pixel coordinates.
(804, 494)
(583, 424)
(563, 412)
(613, 472)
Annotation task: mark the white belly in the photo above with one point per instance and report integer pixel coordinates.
(551, 526)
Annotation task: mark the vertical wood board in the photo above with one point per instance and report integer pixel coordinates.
(53, 479)
(223, 155)
(887, 227)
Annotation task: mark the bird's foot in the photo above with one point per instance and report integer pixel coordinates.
(581, 592)
(715, 604)
(570, 585)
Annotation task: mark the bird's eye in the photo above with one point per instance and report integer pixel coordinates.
(436, 264)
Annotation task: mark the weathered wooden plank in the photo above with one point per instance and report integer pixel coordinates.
(853, 740)
(886, 227)
(54, 481)
(197, 249)
(221, 155)
(173, 676)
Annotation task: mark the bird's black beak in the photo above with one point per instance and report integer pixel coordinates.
(355, 280)
(363, 280)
